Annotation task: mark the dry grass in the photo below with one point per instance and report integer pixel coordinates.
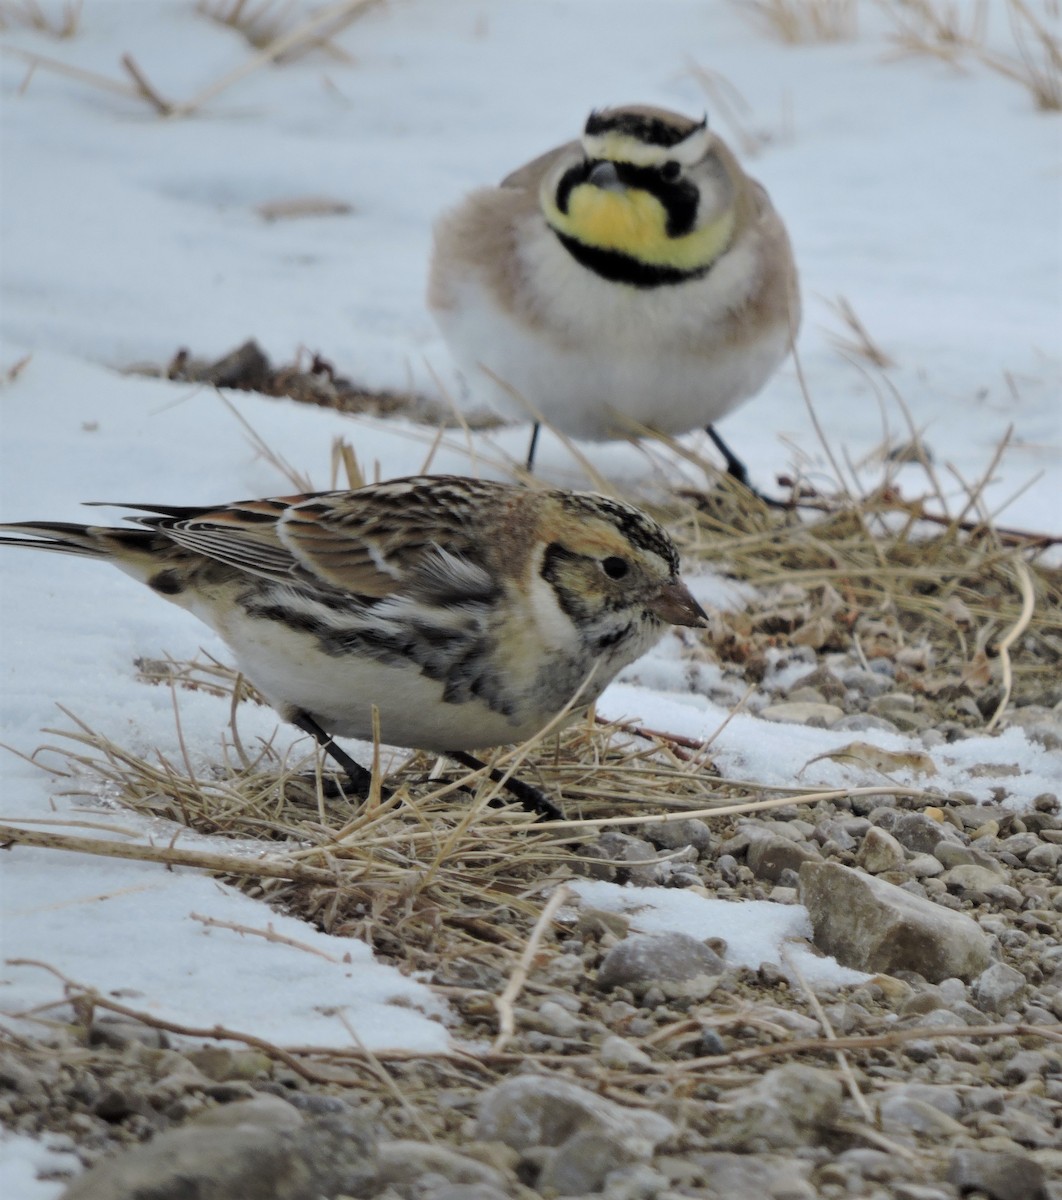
(56, 20)
(871, 579)
(441, 880)
(289, 40)
(797, 22)
(956, 33)
(262, 23)
(856, 343)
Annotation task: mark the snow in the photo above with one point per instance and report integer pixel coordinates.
(755, 932)
(927, 197)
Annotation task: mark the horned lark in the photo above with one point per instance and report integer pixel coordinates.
(636, 277)
(467, 613)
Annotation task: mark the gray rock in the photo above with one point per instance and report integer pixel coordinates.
(970, 877)
(263, 1111)
(880, 852)
(583, 1162)
(998, 987)
(784, 1110)
(619, 856)
(916, 831)
(644, 959)
(924, 866)
(619, 1055)
(403, 1163)
(1044, 857)
(332, 1154)
(769, 854)
(803, 713)
(684, 831)
(636, 1182)
(426, 1190)
(955, 854)
(875, 926)
(759, 1177)
(539, 1110)
(999, 1175)
(901, 1112)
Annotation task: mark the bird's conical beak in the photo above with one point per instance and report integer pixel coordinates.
(674, 604)
(604, 175)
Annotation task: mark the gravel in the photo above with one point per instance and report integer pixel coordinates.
(643, 1067)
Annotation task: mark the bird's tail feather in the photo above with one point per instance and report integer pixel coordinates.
(90, 541)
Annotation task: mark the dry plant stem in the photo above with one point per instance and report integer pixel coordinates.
(726, 810)
(269, 933)
(145, 88)
(222, 864)
(300, 482)
(89, 995)
(896, 1037)
(380, 1072)
(504, 1002)
(1028, 607)
(79, 73)
(344, 11)
(843, 1064)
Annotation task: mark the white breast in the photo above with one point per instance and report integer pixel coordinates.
(605, 354)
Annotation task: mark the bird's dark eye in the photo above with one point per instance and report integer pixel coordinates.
(616, 568)
(671, 170)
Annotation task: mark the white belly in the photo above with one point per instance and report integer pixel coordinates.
(607, 356)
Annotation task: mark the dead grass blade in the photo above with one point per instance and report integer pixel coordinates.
(956, 33)
(63, 23)
(798, 22)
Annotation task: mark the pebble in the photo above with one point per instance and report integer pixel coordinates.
(620, 1055)
(643, 959)
(996, 988)
(779, 1111)
(588, 1134)
(954, 854)
(262, 1110)
(404, 1162)
(330, 1155)
(618, 856)
(875, 926)
(817, 715)
(880, 852)
(969, 877)
(756, 1177)
(673, 835)
(769, 854)
(999, 1176)
(903, 1113)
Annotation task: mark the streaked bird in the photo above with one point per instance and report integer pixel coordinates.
(469, 613)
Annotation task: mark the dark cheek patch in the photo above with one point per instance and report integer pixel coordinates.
(167, 583)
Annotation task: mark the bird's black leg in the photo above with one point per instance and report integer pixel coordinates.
(360, 778)
(737, 469)
(734, 465)
(533, 447)
(530, 797)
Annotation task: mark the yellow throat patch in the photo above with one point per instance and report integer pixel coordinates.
(634, 222)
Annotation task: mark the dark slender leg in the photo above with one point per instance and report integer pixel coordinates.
(734, 465)
(737, 470)
(530, 797)
(360, 779)
(532, 448)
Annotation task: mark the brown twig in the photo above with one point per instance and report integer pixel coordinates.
(504, 1002)
(146, 88)
(269, 933)
(216, 1032)
(895, 1037)
(206, 860)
